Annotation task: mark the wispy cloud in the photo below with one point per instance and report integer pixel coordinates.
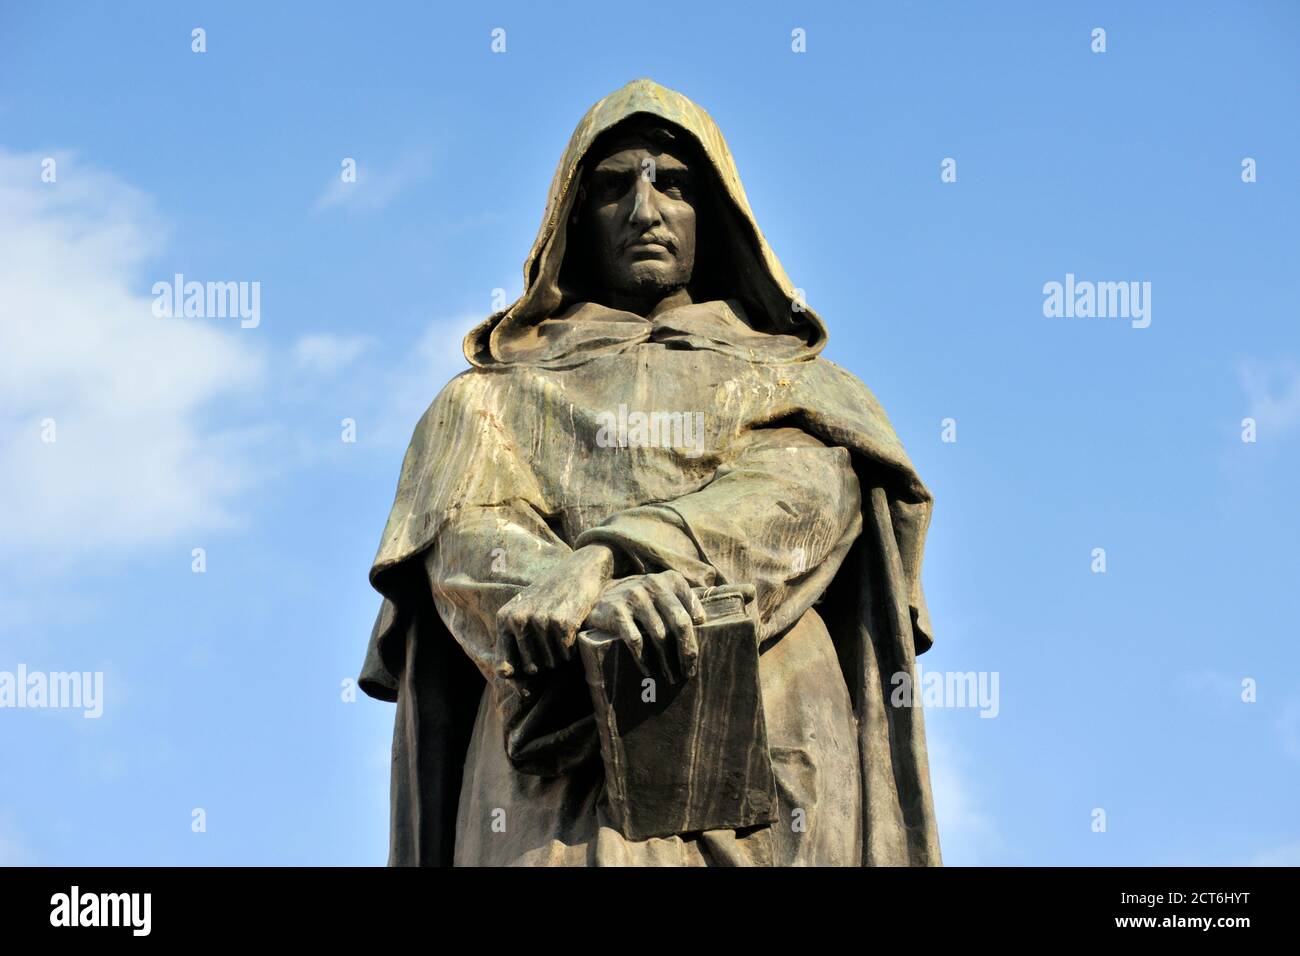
(412, 375)
(376, 184)
(1287, 854)
(968, 836)
(383, 383)
(326, 354)
(145, 451)
(124, 395)
(1273, 392)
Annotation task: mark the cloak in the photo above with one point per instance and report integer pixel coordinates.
(874, 607)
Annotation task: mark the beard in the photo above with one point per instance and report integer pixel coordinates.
(647, 279)
(646, 286)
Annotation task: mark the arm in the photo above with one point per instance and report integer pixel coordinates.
(479, 561)
(781, 515)
(486, 564)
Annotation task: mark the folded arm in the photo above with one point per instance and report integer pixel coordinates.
(781, 515)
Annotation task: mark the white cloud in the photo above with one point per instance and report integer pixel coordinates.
(385, 384)
(146, 454)
(406, 389)
(968, 836)
(375, 186)
(326, 354)
(436, 358)
(135, 460)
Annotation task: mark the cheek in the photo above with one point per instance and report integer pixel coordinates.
(683, 226)
(606, 223)
(681, 220)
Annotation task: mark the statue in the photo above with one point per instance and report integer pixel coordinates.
(650, 491)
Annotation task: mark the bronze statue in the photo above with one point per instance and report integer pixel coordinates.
(653, 562)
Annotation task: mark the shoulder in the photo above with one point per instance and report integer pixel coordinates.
(836, 387)
(466, 392)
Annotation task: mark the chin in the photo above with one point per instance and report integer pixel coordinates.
(649, 277)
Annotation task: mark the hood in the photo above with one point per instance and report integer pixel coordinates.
(759, 280)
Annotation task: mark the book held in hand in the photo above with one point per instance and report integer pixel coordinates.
(692, 756)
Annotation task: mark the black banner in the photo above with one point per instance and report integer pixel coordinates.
(370, 905)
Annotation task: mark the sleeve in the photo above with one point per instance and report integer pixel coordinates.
(471, 518)
(781, 515)
(481, 558)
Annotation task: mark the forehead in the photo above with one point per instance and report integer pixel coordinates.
(628, 158)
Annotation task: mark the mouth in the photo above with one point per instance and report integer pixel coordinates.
(644, 249)
(648, 246)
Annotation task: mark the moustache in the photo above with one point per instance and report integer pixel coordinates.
(666, 239)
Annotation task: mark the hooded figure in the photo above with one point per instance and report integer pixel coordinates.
(704, 438)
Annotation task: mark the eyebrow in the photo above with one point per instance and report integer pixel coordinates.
(663, 163)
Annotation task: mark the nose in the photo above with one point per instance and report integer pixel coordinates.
(645, 211)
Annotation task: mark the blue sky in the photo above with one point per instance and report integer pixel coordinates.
(1120, 691)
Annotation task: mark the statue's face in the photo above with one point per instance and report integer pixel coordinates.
(639, 210)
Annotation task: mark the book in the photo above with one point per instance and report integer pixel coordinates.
(692, 756)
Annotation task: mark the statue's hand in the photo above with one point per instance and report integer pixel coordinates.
(658, 609)
(538, 626)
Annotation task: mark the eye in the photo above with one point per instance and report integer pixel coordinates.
(609, 187)
(673, 185)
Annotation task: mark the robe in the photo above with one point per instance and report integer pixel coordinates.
(710, 439)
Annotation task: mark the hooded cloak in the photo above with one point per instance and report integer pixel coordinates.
(494, 438)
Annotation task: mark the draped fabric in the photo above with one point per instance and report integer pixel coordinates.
(766, 464)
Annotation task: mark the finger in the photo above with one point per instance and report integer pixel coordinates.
(507, 661)
(505, 665)
(507, 656)
(643, 609)
(550, 636)
(503, 619)
(539, 643)
(517, 625)
(686, 594)
(579, 603)
(625, 627)
(680, 626)
(563, 636)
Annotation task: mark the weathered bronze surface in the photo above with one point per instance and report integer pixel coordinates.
(652, 417)
(691, 755)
